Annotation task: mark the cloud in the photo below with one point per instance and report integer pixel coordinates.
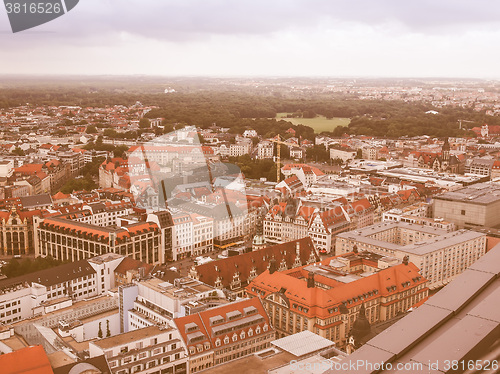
(182, 21)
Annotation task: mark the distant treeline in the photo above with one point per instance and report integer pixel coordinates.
(240, 109)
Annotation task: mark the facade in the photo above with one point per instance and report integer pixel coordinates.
(65, 240)
(440, 255)
(146, 351)
(265, 149)
(225, 333)
(344, 154)
(16, 232)
(479, 166)
(156, 302)
(326, 298)
(49, 290)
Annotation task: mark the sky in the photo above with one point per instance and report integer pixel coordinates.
(333, 38)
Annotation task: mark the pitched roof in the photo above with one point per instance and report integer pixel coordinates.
(52, 276)
(226, 320)
(35, 200)
(129, 263)
(29, 360)
(318, 300)
(244, 263)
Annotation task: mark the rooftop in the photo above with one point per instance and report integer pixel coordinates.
(480, 193)
(129, 337)
(303, 343)
(440, 238)
(462, 321)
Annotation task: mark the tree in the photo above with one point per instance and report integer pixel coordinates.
(108, 331)
(144, 123)
(91, 130)
(359, 154)
(99, 333)
(18, 151)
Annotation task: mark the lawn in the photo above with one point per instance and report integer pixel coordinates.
(319, 123)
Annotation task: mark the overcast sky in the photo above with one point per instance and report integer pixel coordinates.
(338, 38)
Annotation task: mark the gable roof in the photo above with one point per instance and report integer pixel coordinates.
(29, 360)
(219, 322)
(244, 263)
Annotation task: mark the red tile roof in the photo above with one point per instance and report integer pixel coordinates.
(29, 360)
(200, 328)
(244, 263)
(318, 300)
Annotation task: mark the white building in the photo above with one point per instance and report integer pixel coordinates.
(440, 255)
(52, 289)
(147, 351)
(265, 149)
(157, 302)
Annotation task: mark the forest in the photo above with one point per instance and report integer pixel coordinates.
(206, 104)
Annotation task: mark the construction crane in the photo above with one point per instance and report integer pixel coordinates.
(278, 142)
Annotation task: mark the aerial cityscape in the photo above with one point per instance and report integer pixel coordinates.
(217, 217)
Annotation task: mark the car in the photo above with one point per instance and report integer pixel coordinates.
(17, 256)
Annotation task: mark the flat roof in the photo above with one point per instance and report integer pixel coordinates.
(442, 238)
(130, 336)
(303, 343)
(462, 321)
(480, 193)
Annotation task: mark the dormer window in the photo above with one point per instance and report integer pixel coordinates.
(235, 337)
(257, 330)
(242, 335)
(265, 328)
(250, 332)
(226, 340)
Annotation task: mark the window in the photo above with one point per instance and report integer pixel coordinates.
(463, 212)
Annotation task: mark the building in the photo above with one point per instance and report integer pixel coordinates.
(65, 240)
(146, 351)
(219, 335)
(236, 272)
(476, 205)
(16, 232)
(342, 153)
(458, 325)
(370, 153)
(157, 302)
(326, 298)
(48, 290)
(229, 220)
(265, 149)
(479, 166)
(440, 255)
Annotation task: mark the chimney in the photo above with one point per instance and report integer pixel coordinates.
(272, 265)
(310, 280)
(406, 260)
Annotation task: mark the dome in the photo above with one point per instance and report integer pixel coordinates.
(84, 368)
(361, 327)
